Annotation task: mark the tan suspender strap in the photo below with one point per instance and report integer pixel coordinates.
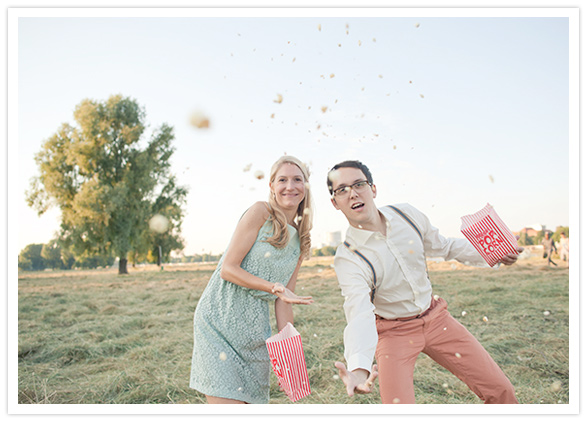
(409, 221)
(362, 256)
(368, 264)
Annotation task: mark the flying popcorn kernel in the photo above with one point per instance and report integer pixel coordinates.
(417, 25)
(556, 386)
(457, 355)
(159, 223)
(396, 400)
(272, 115)
(331, 75)
(445, 385)
(279, 99)
(222, 356)
(307, 211)
(359, 43)
(268, 254)
(485, 319)
(247, 167)
(491, 178)
(335, 377)
(546, 313)
(464, 313)
(199, 120)
(324, 109)
(436, 297)
(421, 96)
(259, 175)
(319, 27)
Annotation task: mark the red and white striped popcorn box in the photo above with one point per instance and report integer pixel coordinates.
(287, 358)
(489, 235)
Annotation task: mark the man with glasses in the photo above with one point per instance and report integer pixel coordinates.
(390, 310)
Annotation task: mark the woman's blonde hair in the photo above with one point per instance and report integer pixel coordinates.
(303, 219)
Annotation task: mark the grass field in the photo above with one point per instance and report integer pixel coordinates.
(95, 337)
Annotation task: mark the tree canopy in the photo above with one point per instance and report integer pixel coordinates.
(108, 181)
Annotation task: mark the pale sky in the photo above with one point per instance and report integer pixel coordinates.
(448, 113)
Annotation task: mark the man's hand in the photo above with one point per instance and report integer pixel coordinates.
(510, 259)
(357, 381)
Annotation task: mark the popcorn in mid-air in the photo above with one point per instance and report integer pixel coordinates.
(199, 120)
(159, 223)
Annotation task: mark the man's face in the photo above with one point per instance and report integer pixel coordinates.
(357, 207)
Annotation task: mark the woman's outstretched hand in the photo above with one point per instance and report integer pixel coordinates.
(288, 296)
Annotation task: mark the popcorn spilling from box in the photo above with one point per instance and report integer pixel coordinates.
(287, 358)
(489, 235)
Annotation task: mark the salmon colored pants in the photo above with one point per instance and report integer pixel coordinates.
(446, 341)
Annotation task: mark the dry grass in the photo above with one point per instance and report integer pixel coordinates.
(97, 337)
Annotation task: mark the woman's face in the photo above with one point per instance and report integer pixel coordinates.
(288, 186)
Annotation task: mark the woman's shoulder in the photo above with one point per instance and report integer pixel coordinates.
(258, 213)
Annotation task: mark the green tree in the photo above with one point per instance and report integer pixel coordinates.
(30, 258)
(538, 238)
(102, 179)
(525, 240)
(557, 234)
(317, 253)
(51, 252)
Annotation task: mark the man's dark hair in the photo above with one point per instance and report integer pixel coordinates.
(349, 164)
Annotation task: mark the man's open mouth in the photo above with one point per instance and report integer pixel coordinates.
(357, 205)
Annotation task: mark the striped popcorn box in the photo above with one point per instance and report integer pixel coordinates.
(287, 358)
(489, 235)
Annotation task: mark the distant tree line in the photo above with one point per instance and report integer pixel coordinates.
(324, 251)
(536, 240)
(52, 255)
(206, 257)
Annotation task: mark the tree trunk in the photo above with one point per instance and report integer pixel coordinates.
(122, 270)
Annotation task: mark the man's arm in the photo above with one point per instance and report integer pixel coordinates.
(459, 249)
(360, 334)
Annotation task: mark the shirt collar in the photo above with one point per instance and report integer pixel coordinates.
(359, 237)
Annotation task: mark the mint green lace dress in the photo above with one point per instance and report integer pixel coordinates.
(231, 324)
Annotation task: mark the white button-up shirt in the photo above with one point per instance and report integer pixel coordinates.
(403, 288)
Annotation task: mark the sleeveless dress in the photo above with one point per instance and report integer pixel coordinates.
(231, 324)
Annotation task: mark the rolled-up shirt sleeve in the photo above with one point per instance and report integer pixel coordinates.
(360, 334)
(436, 245)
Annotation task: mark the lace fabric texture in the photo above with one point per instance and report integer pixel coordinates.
(231, 324)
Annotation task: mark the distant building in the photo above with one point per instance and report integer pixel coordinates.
(333, 239)
(531, 232)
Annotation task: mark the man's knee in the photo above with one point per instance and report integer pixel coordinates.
(501, 393)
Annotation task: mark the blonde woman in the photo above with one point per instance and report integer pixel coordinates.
(230, 363)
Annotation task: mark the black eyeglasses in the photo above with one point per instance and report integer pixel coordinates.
(358, 187)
